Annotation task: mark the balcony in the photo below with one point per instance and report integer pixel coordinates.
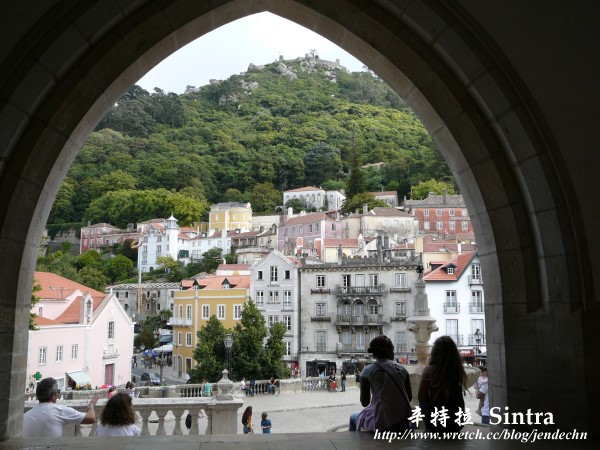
(320, 291)
(398, 318)
(475, 279)
(399, 289)
(476, 307)
(320, 319)
(360, 290)
(472, 340)
(360, 319)
(451, 308)
(180, 322)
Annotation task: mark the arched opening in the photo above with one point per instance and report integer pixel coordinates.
(437, 59)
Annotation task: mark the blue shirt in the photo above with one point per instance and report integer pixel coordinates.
(266, 423)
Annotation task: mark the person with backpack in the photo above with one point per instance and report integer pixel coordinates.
(247, 421)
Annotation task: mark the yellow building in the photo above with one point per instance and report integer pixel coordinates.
(221, 296)
(230, 216)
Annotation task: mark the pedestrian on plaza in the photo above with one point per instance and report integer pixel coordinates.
(244, 387)
(130, 389)
(485, 407)
(483, 379)
(442, 385)
(384, 391)
(343, 380)
(331, 385)
(247, 421)
(265, 423)
(206, 388)
(47, 419)
(112, 391)
(118, 417)
(273, 385)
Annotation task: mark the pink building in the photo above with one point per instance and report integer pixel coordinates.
(445, 215)
(83, 336)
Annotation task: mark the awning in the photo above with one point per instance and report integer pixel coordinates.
(80, 377)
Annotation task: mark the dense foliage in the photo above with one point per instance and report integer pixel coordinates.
(248, 137)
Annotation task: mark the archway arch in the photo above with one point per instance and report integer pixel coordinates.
(77, 59)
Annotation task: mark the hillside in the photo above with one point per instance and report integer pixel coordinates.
(275, 127)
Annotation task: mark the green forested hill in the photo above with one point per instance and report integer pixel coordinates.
(249, 137)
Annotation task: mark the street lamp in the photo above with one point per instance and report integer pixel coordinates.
(228, 341)
(477, 342)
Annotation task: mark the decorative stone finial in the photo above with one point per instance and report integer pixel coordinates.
(225, 387)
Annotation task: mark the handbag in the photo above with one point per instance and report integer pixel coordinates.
(479, 395)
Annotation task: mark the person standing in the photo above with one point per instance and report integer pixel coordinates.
(343, 380)
(485, 408)
(483, 379)
(247, 421)
(47, 419)
(384, 391)
(118, 417)
(265, 423)
(442, 385)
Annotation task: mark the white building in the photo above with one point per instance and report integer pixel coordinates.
(346, 304)
(313, 197)
(83, 336)
(274, 289)
(455, 293)
(155, 297)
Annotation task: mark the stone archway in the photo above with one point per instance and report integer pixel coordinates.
(76, 59)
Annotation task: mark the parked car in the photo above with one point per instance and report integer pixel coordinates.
(152, 378)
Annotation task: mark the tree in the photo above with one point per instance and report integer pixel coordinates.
(274, 351)
(265, 198)
(34, 299)
(423, 188)
(171, 267)
(248, 337)
(296, 204)
(211, 260)
(91, 258)
(119, 268)
(165, 315)
(322, 162)
(356, 181)
(358, 201)
(209, 352)
(93, 278)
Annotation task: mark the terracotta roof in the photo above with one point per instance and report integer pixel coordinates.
(216, 281)
(247, 234)
(187, 230)
(305, 188)
(404, 246)
(332, 242)
(43, 321)
(51, 286)
(308, 218)
(73, 311)
(187, 283)
(233, 267)
(437, 201)
(460, 263)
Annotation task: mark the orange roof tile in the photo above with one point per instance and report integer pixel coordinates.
(55, 287)
(73, 311)
(331, 242)
(42, 321)
(216, 281)
(460, 262)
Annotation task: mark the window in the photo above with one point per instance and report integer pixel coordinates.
(475, 271)
(359, 308)
(205, 312)
(288, 348)
(188, 312)
(287, 321)
(346, 337)
(452, 329)
(426, 225)
(111, 330)
(373, 308)
(260, 297)
(237, 312)
(426, 213)
(310, 228)
(179, 335)
(316, 227)
(321, 340)
(158, 250)
(345, 309)
(450, 270)
(59, 353)
(333, 227)
(287, 275)
(42, 355)
(188, 339)
(476, 301)
(400, 309)
(321, 282)
(346, 281)
(465, 225)
(400, 279)
(273, 274)
(127, 295)
(451, 212)
(221, 312)
(287, 299)
(293, 230)
(171, 294)
(439, 225)
(360, 280)
(464, 212)
(272, 320)
(300, 229)
(40, 311)
(74, 351)
(400, 342)
(180, 309)
(374, 279)
(452, 225)
(259, 275)
(360, 341)
(438, 212)
(273, 296)
(321, 309)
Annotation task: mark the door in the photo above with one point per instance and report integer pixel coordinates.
(109, 373)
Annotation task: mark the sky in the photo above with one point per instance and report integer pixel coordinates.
(228, 50)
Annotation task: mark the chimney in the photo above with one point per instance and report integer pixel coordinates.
(89, 223)
(444, 195)
(365, 208)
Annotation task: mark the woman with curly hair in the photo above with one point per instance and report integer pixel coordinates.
(247, 421)
(442, 386)
(118, 418)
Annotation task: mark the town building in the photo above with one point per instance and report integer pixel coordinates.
(83, 336)
(379, 221)
(155, 297)
(252, 246)
(221, 296)
(304, 233)
(317, 198)
(390, 197)
(445, 215)
(456, 300)
(103, 235)
(437, 251)
(345, 305)
(230, 216)
(275, 291)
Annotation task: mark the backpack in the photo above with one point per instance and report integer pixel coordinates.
(188, 421)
